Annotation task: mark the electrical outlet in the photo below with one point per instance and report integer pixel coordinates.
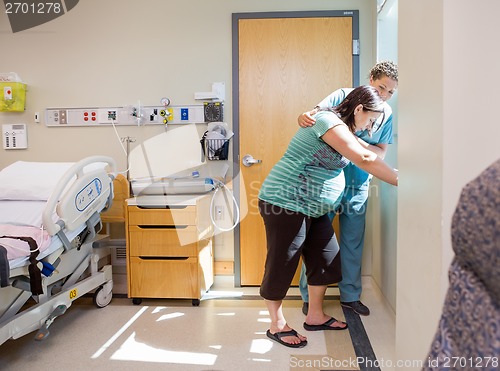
(219, 212)
(112, 115)
(63, 118)
(152, 115)
(107, 115)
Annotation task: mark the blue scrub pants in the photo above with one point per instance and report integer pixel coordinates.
(352, 238)
(352, 216)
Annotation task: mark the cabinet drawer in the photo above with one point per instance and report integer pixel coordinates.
(174, 215)
(164, 278)
(163, 241)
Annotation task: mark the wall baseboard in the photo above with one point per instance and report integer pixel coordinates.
(224, 268)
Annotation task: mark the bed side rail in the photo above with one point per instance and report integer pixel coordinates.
(86, 188)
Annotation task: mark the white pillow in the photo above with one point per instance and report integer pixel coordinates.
(31, 180)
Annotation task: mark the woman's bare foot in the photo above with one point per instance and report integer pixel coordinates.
(293, 339)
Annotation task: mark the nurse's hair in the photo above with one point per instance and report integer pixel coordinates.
(384, 68)
(365, 95)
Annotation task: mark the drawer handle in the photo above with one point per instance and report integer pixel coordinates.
(161, 207)
(162, 226)
(164, 257)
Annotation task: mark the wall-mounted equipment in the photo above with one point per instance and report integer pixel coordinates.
(218, 93)
(14, 136)
(215, 141)
(149, 115)
(166, 113)
(213, 111)
(13, 93)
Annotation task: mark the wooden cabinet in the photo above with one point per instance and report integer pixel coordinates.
(169, 247)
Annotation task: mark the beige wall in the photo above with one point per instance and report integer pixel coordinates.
(420, 160)
(121, 52)
(447, 135)
(116, 53)
(380, 250)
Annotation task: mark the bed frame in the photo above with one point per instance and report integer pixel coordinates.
(79, 267)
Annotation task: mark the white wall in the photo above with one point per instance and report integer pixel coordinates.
(471, 96)
(447, 135)
(382, 208)
(119, 52)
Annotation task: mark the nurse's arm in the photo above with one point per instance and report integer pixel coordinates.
(380, 148)
(306, 119)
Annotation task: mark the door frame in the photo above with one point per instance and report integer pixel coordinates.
(353, 14)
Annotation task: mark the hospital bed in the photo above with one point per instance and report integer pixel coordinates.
(50, 250)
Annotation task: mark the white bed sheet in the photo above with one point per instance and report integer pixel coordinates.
(30, 213)
(22, 212)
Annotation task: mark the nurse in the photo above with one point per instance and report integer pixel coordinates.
(352, 211)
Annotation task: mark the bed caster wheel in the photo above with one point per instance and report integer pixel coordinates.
(101, 298)
(136, 301)
(196, 302)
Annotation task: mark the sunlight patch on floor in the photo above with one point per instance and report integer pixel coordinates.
(158, 309)
(118, 333)
(260, 346)
(131, 350)
(222, 294)
(226, 314)
(170, 316)
(260, 360)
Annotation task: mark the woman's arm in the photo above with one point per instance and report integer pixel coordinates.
(340, 138)
(380, 149)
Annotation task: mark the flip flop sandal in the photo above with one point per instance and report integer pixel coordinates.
(278, 335)
(324, 326)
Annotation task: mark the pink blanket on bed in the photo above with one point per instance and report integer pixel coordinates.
(17, 248)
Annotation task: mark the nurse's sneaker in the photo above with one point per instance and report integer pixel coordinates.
(356, 306)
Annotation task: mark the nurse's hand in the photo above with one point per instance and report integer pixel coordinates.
(305, 120)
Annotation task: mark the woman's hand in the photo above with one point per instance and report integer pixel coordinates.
(344, 141)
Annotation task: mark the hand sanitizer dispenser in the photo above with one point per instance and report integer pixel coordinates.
(12, 93)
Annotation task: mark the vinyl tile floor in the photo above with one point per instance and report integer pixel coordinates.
(226, 332)
(379, 327)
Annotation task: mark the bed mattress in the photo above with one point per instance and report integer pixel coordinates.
(30, 213)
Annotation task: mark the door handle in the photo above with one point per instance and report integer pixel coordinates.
(248, 160)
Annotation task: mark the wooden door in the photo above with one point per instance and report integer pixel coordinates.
(285, 67)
